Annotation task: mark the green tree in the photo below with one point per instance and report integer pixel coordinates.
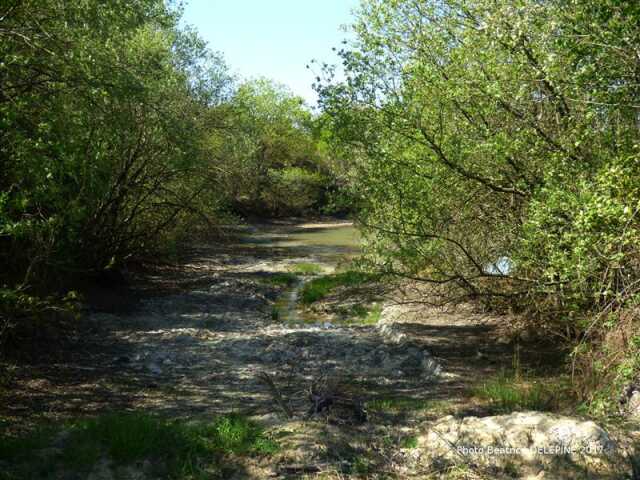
(102, 141)
(485, 137)
(270, 151)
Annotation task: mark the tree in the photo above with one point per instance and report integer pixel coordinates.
(486, 135)
(270, 151)
(101, 108)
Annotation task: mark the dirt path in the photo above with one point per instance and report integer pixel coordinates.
(200, 338)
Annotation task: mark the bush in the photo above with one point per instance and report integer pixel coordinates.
(29, 323)
(484, 132)
(581, 240)
(293, 191)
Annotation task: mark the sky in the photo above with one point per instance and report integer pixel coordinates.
(273, 38)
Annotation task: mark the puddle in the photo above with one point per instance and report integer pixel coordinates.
(328, 246)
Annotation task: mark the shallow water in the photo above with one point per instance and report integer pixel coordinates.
(327, 245)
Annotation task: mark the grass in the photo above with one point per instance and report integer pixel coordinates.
(361, 465)
(187, 449)
(371, 316)
(509, 392)
(284, 279)
(304, 268)
(409, 442)
(359, 314)
(400, 404)
(20, 448)
(319, 288)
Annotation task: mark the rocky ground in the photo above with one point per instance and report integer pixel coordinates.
(201, 338)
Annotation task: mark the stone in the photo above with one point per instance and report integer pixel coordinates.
(633, 405)
(630, 401)
(529, 444)
(431, 368)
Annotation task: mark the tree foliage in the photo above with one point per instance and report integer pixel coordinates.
(497, 134)
(122, 133)
(272, 158)
(101, 127)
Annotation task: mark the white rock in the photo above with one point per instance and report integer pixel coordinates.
(531, 443)
(633, 406)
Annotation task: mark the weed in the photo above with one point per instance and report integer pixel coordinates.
(284, 279)
(400, 404)
(409, 442)
(305, 268)
(361, 465)
(17, 449)
(508, 392)
(235, 434)
(185, 447)
(319, 288)
(373, 315)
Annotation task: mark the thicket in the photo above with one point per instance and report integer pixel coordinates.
(122, 133)
(496, 156)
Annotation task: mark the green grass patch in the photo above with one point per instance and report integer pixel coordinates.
(361, 466)
(187, 449)
(305, 268)
(371, 315)
(359, 314)
(509, 392)
(359, 311)
(284, 279)
(319, 288)
(409, 442)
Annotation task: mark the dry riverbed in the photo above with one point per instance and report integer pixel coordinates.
(344, 386)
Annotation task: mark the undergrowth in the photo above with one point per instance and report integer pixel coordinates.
(285, 279)
(178, 449)
(511, 391)
(319, 288)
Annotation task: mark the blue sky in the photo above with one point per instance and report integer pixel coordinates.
(273, 38)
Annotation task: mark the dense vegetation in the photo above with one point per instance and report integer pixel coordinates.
(123, 134)
(496, 156)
